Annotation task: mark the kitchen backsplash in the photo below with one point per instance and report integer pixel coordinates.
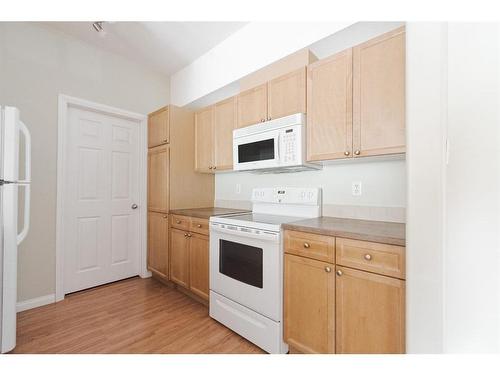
(383, 188)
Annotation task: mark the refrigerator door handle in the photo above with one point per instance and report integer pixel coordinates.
(27, 157)
(26, 224)
(26, 183)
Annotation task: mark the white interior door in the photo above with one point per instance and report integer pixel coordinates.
(102, 228)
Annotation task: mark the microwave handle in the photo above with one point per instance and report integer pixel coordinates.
(278, 139)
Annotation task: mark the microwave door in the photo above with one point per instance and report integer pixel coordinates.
(257, 151)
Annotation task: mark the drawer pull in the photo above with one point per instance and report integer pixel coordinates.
(199, 225)
(306, 245)
(178, 221)
(339, 272)
(328, 269)
(368, 257)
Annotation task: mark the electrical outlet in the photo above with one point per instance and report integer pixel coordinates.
(238, 188)
(356, 188)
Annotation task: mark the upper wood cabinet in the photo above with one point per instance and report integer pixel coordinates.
(158, 179)
(204, 140)
(158, 243)
(309, 305)
(277, 98)
(214, 127)
(158, 127)
(329, 107)
(370, 312)
(252, 106)
(356, 101)
(287, 94)
(198, 265)
(225, 123)
(379, 95)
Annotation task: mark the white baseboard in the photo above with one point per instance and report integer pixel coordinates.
(35, 302)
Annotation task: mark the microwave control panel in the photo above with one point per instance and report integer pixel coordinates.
(290, 145)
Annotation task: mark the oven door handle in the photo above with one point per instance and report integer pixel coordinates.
(263, 235)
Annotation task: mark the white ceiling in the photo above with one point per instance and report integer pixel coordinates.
(165, 47)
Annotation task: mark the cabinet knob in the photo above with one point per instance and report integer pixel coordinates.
(339, 272)
(357, 152)
(328, 269)
(368, 257)
(269, 118)
(347, 153)
(178, 221)
(215, 167)
(210, 167)
(262, 120)
(165, 140)
(306, 245)
(199, 225)
(185, 234)
(165, 216)
(189, 234)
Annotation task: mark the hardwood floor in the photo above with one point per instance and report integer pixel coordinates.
(129, 316)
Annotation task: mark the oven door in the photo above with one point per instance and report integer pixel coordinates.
(257, 151)
(246, 267)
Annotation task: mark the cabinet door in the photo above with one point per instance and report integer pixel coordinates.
(370, 315)
(329, 108)
(225, 123)
(287, 94)
(198, 265)
(379, 95)
(158, 127)
(309, 305)
(158, 160)
(204, 140)
(158, 243)
(252, 106)
(179, 257)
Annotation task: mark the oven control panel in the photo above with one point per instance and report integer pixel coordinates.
(287, 195)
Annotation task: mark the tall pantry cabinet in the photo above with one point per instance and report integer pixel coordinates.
(172, 181)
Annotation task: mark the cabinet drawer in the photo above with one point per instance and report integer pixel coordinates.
(310, 245)
(199, 226)
(180, 222)
(374, 257)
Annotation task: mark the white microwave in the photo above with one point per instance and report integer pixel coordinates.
(272, 146)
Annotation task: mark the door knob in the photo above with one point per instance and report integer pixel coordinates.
(134, 206)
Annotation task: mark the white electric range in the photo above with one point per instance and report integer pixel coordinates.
(246, 263)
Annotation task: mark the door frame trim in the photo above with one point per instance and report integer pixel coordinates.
(64, 102)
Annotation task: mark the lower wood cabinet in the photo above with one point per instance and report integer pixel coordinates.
(198, 265)
(309, 305)
(158, 243)
(189, 254)
(370, 312)
(335, 308)
(179, 257)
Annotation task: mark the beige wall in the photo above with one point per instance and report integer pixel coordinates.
(36, 65)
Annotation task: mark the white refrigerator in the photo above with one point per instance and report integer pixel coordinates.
(14, 178)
